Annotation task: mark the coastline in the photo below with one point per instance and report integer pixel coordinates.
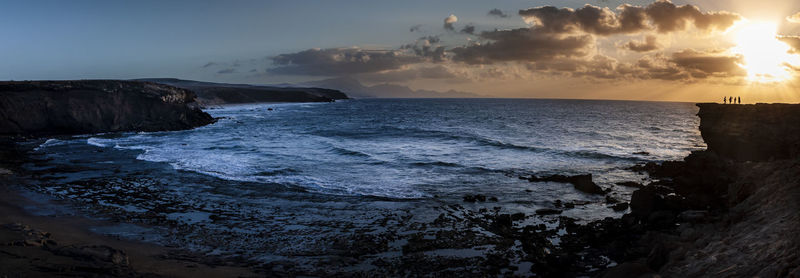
(694, 219)
(65, 245)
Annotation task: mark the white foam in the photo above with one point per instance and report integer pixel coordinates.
(98, 142)
(49, 143)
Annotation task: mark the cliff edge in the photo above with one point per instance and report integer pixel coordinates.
(751, 132)
(41, 108)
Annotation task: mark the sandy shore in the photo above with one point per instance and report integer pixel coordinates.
(35, 246)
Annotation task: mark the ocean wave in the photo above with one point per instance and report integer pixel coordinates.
(50, 143)
(436, 163)
(98, 142)
(349, 152)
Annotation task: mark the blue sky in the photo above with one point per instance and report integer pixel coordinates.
(127, 39)
(136, 39)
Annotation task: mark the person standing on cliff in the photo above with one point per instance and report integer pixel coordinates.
(724, 100)
(739, 100)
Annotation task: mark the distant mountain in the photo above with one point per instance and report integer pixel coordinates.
(354, 88)
(209, 93)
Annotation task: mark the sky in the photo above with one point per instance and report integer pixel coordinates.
(637, 50)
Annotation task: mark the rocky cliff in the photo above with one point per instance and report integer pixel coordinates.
(39, 108)
(209, 93)
(755, 132)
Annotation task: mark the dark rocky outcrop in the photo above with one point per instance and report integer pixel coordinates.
(40, 108)
(209, 93)
(583, 182)
(755, 132)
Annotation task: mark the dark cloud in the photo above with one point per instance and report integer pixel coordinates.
(449, 21)
(209, 64)
(662, 16)
(685, 65)
(497, 13)
(649, 43)
(793, 42)
(523, 44)
(432, 72)
(340, 61)
(703, 64)
(226, 71)
(667, 17)
(253, 70)
(469, 29)
(427, 47)
(415, 28)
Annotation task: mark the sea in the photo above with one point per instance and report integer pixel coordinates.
(292, 181)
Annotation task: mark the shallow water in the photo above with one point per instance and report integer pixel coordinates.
(273, 184)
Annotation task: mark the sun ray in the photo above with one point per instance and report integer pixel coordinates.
(764, 57)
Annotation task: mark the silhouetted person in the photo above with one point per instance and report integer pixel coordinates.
(739, 100)
(724, 100)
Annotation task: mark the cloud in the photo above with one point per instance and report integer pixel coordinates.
(704, 64)
(497, 13)
(415, 28)
(340, 61)
(685, 65)
(469, 29)
(792, 41)
(449, 21)
(795, 18)
(209, 64)
(523, 44)
(226, 71)
(662, 16)
(649, 43)
(427, 47)
(401, 75)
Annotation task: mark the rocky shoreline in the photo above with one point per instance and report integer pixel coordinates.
(42, 108)
(710, 214)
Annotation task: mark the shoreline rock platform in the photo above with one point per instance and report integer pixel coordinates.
(719, 212)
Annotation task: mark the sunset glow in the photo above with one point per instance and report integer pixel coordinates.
(765, 58)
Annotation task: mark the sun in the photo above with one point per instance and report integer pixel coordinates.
(765, 58)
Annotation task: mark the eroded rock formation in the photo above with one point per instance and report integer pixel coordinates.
(38, 108)
(757, 132)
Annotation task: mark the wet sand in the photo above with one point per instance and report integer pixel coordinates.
(33, 246)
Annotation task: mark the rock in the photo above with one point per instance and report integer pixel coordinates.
(630, 184)
(757, 132)
(518, 216)
(693, 216)
(648, 199)
(642, 153)
(629, 270)
(474, 198)
(583, 182)
(40, 108)
(209, 93)
(620, 207)
(548, 211)
(503, 222)
(611, 200)
(100, 253)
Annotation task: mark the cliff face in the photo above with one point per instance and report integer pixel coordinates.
(209, 93)
(758, 132)
(37, 108)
